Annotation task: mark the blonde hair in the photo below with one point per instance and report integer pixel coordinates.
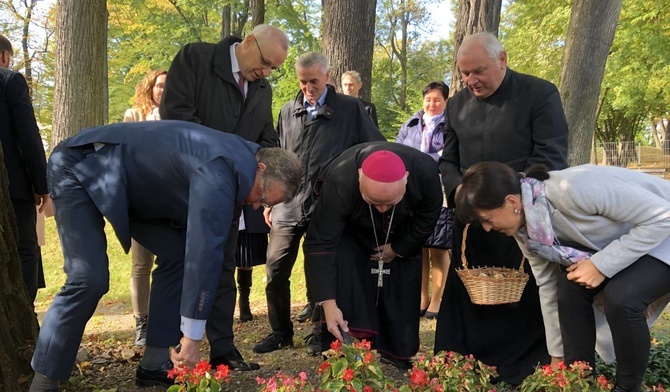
(144, 98)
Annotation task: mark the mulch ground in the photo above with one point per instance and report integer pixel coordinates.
(108, 358)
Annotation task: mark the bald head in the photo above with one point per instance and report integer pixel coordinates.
(382, 195)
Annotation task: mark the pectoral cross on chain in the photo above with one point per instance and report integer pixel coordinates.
(380, 271)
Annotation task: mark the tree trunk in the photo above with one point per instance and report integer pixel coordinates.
(348, 38)
(81, 48)
(474, 16)
(257, 12)
(654, 132)
(589, 38)
(27, 60)
(226, 21)
(17, 318)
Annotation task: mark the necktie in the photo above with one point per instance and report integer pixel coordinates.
(240, 84)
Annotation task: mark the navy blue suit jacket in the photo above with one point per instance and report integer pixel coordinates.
(174, 187)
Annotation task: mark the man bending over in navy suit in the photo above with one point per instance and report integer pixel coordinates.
(172, 186)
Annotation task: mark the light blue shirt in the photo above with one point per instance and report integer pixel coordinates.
(311, 109)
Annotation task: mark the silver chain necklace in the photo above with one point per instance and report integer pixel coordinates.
(380, 271)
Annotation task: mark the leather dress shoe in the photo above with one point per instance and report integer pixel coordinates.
(151, 378)
(430, 315)
(305, 314)
(313, 344)
(233, 359)
(273, 342)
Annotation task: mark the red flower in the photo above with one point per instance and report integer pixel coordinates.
(602, 380)
(173, 373)
(336, 345)
(201, 368)
(324, 366)
(364, 344)
(368, 357)
(348, 375)
(418, 377)
(222, 372)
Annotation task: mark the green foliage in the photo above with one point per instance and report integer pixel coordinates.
(658, 369)
(404, 61)
(576, 377)
(637, 74)
(352, 366)
(534, 36)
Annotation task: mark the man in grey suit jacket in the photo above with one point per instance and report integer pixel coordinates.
(174, 187)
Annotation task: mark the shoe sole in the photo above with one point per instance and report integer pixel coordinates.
(283, 346)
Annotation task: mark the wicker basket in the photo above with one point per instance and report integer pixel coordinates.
(491, 285)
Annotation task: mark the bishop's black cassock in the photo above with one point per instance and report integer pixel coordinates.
(340, 240)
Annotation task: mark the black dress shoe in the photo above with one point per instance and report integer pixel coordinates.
(233, 359)
(430, 315)
(621, 389)
(273, 342)
(402, 364)
(152, 378)
(313, 344)
(305, 314)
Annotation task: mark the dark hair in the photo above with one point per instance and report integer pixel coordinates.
(5, 45)
(282, 166)
(485, 186)
(444, 89)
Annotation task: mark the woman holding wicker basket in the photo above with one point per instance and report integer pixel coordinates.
(598, 241)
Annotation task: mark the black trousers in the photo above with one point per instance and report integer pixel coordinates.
(282, 253)
(626, 297)
(29, 250)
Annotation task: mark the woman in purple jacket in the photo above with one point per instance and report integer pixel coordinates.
(423, 131)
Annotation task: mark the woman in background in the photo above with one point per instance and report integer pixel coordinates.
(423, 131)
(147, 97)
(587, 231)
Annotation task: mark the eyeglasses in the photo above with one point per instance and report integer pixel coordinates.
(264, 62)
(264, 203)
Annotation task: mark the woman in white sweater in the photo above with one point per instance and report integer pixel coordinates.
(591, 234)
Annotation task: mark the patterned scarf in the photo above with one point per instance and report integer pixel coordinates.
(428, 129)
(538, 236)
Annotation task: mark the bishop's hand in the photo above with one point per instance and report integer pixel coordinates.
(384, 252)
(334, 319)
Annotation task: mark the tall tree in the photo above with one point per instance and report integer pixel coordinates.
(81, 49)
(474, 16)
(405, 61)
(18, 320)
(349, 37)
(257, 12)
(589, 39)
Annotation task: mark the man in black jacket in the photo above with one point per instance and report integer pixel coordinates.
(318, 125)
(25, 162)
(223, 86)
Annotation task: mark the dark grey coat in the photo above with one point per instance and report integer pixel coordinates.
(200, 88)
